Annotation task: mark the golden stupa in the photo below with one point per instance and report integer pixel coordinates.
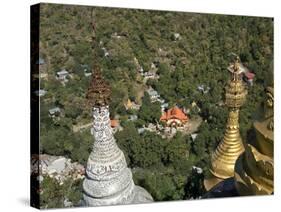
(224, 158)
(254, 168)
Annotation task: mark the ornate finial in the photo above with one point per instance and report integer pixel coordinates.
(236, 92)
(236, 68)
(98, 94)
(236, 64)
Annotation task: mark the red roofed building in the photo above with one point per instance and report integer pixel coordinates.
(174, 117)
(249, 77)
(114, 123)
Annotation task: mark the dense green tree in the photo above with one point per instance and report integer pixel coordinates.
(73, 112)
(200, 56)
(53, 194)
(149, 112)
(129, 141)
(195, 185)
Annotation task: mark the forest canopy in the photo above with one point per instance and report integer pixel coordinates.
(187, 49)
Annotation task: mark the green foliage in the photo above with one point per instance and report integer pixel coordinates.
(81, 51)
(149, 112)
(73, 112)
(195, 187)
(53, 194)
(57, 139)
(177, 150)
(162, 166)
(161, 187)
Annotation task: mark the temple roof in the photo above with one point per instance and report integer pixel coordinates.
(249, 75)
(114, 123)
(174, 113)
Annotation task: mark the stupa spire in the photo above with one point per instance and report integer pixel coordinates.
(229, 149)
(108, 180)
(99, 92)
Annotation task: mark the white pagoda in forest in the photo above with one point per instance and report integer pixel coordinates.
(108, 179)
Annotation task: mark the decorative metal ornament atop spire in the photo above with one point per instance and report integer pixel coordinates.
(235, 95)
(99, 92)
(236, 69)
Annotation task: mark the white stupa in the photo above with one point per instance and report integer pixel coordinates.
(108, 179)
